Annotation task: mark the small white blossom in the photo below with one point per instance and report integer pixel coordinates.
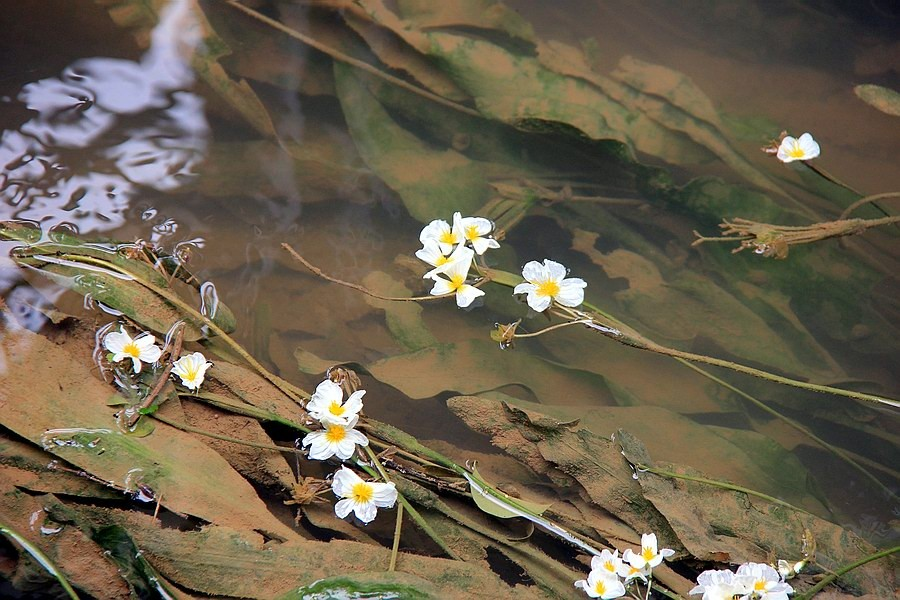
(362, 497)
(546, 283)
(601, 584)
(762, 582)
(475, 230)
(717, 585)
(440, 231)
(456, 271)
(327, 404)
(649, 555)
(142, 348)
(628, 572)
(192, 369)
(802, 148)
(335, 440)
(607, 562)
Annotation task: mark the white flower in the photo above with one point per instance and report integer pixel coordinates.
(600, 584)
(717, 585)
(335, 440)
(462, 253)
(456, 271)
(803, 148)
(649, 556)
(432, 253)
(546, 283)
(474, 229)
(142, 348)
(191, 368)
(440, 231)
(328, 406)
(762, 582)
(361, 497)
(608, 562)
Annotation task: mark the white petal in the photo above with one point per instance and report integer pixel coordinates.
(136, 364)
(524, 288)
(533, 271)
(115, 341)
(482, 244)
(538, 303)
(571, 292)
(343, 482)
(482, 226)
(784, 149)
(384, 494)
(556, 271)
(433, 230)
(354, 403)
(343, 508)
(466, 294)
(355, 436)
(809, 145)
(441, 287)
(430, 253)
(365, 512)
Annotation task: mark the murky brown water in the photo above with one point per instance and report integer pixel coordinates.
(125, 140)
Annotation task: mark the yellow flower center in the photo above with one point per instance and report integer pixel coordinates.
(796, 151)
(190, 373)
(336, 409)
(471, 232)
(647, 553)
(600, 587)
(456, 282)
(131, 349)
(441, 260)
(547, 288)
(448, 238)
(760, 585)
(335, 433)
(609, 566)
(362, 492)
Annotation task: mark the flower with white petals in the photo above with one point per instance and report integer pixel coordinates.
(362, 497)
(335, 439)
(717, 585)
(546, 283)
(802, 148)
(649, 555)
(475, 230)
(762, 582)
(600, 584)
(143, 348)
(607, 562)
(440, 231)
(461, 253)
(456, 271)
(328, 406)
(192, 369)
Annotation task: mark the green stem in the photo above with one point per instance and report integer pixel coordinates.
(40, 557)
(248, 410)
(395, 548)
(290, 390)
(224, 438)
(623, 334)
(791, 423)
(846, 569)
(719, 484)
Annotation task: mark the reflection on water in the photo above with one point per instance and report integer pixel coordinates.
(104, 128)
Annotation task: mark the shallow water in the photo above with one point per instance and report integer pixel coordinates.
(118, 137)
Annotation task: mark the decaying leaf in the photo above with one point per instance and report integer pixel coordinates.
(884, 99)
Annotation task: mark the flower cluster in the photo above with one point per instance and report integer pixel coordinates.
(191, 368)
(447, 249)
(338, 419)
(753, 581)
(338, 437)
(610, 573)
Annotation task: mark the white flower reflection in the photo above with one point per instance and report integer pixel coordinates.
(104, 128)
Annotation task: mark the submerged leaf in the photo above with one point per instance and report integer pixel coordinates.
(432, 182)
(884, 99)
(498, 504)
